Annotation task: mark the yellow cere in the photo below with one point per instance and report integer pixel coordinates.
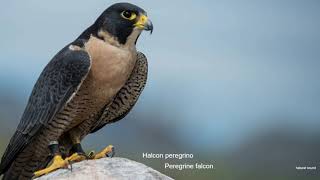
(141, 22)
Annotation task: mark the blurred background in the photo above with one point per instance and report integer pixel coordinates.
(236, 83)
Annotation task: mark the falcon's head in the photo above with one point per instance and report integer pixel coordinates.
(123, 22)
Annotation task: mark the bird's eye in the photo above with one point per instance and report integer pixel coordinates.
(128, 15)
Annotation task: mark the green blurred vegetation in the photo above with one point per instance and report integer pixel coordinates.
(272, 154)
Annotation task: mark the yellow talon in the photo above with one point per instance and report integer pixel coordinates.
(75, 157)
(104, 152)
(57, 163)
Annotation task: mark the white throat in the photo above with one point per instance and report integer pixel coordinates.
(130, 42)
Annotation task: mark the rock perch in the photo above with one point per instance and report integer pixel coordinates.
(107, 168)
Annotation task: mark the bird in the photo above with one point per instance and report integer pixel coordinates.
(91, 82)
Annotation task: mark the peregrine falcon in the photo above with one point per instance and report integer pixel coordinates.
(91, 82)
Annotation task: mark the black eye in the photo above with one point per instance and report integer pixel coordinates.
(128, 15)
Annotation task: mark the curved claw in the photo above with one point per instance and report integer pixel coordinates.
(104, 153)
(91, 154)
(112, 153)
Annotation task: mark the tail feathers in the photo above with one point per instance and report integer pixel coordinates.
(22, 166)
(17, 143)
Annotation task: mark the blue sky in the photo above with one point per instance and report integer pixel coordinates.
(219, 69)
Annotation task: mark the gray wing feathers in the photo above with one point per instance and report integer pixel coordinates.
(56, 84)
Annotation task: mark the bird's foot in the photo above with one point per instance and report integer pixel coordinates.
(57, 163)
(77, 157)
(106, 152)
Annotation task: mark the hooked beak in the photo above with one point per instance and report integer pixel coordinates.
(144, 23)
